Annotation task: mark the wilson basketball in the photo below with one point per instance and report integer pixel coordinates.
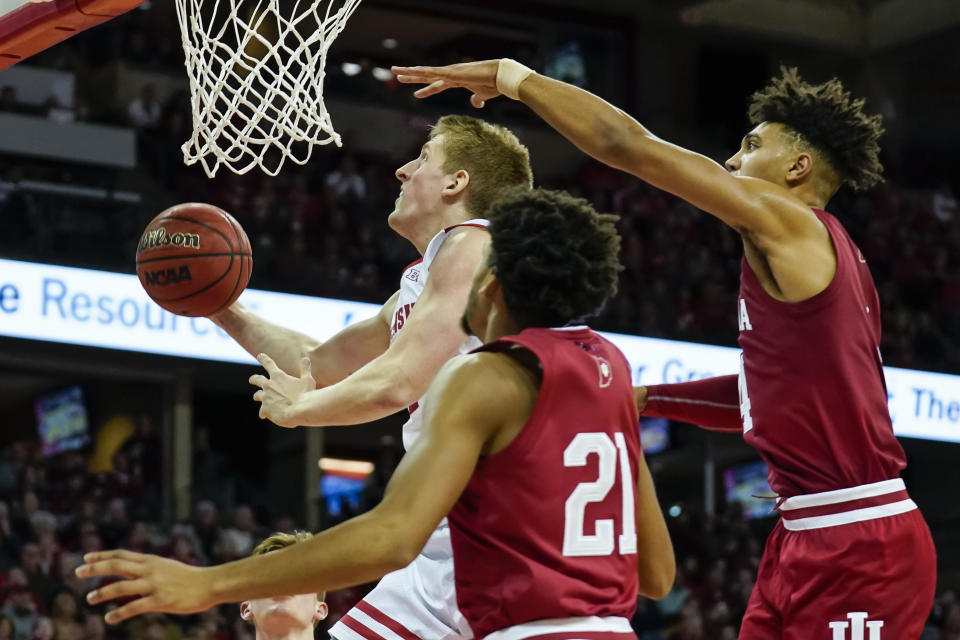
(194, 259)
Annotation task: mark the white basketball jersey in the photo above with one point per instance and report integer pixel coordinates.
(412, 282)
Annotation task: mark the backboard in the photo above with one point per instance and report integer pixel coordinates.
(28, 27)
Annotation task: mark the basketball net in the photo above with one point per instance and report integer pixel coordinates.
(256, 71)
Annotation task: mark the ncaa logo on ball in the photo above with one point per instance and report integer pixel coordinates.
(163, 277)
(159, 238)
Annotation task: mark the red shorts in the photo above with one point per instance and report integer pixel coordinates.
(853, 564)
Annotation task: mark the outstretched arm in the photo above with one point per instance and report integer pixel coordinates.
(712, 403)
(470, 400)
(400, 376)
(608, 134)
(330, 361)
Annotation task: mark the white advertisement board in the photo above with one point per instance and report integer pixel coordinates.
(111, 310)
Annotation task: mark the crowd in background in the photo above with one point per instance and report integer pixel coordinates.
(54, 509)
(321, 230)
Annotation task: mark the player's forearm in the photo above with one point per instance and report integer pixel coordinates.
(712, 403)
(595, 126)
(360, 550)
(656, 563)
(374, 392)
(257, 336)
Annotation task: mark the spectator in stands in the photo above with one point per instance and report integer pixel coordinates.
(65, 615)
(239, 540)
(20, 609)
(6, 628)
(93, 626)
(42, 585)
(115, 526)
(205, 531)
(144, 111)
(43, 630)
(9, 541)
(345, 184)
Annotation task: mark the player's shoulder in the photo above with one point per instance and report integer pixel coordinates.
(478, 376)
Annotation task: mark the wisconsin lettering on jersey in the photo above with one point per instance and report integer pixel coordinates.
(399, 318)
(743, 316)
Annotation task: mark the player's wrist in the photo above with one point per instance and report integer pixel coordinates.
(510, 75)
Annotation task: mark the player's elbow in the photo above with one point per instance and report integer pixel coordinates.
(400, 543)
(623, 144)
(656, 580)
(396, 394)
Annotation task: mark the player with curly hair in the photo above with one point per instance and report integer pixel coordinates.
(810, 395)
(529, 443)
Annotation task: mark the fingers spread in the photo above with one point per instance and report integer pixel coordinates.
(268, 363)
(122, 589)
(113, 567)
(432, 89)
(119, 554)
(412, 79)
(131, 609)
(258, 380)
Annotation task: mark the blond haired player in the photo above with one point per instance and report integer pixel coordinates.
(530, 444)
(284, 617)
(385, 364)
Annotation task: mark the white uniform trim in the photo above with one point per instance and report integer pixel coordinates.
(373, 625)
(843, 495)
(586, 624)
(848, 517)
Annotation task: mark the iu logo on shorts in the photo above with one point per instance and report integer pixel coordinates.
(857, 623)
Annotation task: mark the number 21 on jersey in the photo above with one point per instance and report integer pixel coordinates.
(612, 456)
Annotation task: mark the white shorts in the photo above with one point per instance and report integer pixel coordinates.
(418, 602)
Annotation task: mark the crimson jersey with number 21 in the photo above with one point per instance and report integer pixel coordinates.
(546, 527)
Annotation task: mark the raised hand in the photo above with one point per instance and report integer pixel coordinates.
(480, 78)
(163, 585)
(280, 391)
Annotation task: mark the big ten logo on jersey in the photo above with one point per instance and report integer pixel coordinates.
(744, 318)
(612, 456)
(413, 274)
(605, 370)
(858, 624)
(400, 317)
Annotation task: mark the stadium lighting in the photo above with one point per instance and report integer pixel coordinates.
(351, 68)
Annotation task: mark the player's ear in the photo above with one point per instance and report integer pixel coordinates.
(456, 183)
(490, 286)
(321, 611)
(245, 612)
(800, 169)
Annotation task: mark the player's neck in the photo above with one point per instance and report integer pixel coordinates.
(499, 324)
(304, 633)
(454, 215)
(447, 217)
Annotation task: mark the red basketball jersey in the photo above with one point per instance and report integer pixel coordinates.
(812, 393)
(546, 528)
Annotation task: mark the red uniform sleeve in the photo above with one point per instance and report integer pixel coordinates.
(712, 403)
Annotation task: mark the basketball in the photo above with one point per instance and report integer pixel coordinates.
(194, 259)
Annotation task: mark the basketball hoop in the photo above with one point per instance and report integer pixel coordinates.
(256, 71)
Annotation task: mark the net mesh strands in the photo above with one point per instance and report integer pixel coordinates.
(256, 70)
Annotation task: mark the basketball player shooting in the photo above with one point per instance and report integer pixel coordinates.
(810, 395)
(285, 617)
(385, 364)
(520, 437)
